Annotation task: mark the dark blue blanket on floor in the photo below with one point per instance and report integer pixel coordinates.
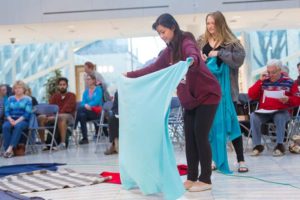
(15, 169)
(7, 195)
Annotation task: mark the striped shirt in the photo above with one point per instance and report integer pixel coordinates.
(18, 108)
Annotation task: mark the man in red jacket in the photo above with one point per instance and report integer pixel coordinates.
(264, 90)
(66, 102)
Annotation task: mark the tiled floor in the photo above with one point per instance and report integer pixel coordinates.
(269, 177)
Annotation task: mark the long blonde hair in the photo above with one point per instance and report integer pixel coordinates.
(224, 35)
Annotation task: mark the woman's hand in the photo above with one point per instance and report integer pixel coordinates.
(124, 74)
(203, 56)
(88, 107)
(19, 120)
(11, 121)
(213, 54)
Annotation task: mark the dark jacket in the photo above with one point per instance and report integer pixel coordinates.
(201, 86)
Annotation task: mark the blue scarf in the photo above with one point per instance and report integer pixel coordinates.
(146, 153)
(225, 125)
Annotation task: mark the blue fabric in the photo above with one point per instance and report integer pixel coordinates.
(8, 195)
(95, 99)
(146, 153)
(15, 169)
(225, 125)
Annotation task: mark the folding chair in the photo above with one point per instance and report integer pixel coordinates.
(293, 127)
(1, 144)
(71, 127)
(48, 110)
(105, 110)
(30, 134)
(268, 133)
(245, 107)
(175, 123)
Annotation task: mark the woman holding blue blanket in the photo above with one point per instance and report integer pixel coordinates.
(223, 55)
(199, 93)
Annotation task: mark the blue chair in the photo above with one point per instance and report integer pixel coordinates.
(48, 110)
(175, 123)
(105, 111)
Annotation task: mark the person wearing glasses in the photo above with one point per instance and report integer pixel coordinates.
(272, 105)
(90, 107)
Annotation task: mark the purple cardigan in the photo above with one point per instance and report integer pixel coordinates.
(201, 86)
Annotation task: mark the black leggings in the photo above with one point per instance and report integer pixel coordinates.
(197, 124)
(238, 144)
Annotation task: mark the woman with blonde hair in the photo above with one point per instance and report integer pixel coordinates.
(224, 54)
(17, 114)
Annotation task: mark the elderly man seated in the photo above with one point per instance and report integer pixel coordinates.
(273, 90)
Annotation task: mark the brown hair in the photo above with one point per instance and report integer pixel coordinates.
(90, 65)
(223, 33)
(20, 83)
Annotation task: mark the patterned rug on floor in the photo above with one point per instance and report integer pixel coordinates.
(43, 180)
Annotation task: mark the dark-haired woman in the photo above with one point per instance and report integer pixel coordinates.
(199, 94)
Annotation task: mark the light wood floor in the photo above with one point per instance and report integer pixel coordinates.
(268, 177)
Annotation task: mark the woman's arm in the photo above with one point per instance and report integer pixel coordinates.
(233, 55)
(160, 63)
(190, 49)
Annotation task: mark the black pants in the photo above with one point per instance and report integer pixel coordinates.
(113, 126)
(197, 124)
(83, 116)
(238, 144)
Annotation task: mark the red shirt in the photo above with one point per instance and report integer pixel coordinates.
(201, 85)
(256, 92)
(66, 103)
(294, 99)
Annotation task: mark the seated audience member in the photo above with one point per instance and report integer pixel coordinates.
(295, 144)
(113, 126)
(29, 93)
(66, 102)
(90, 68)
(90, 107)
(273, 81)
(295, 99)
(17, 113)
(3, 100)
(9, 90)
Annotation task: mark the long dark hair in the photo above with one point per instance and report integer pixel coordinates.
(168, 21)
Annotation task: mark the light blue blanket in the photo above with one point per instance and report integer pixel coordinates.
(225, 125)
(146, 153)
